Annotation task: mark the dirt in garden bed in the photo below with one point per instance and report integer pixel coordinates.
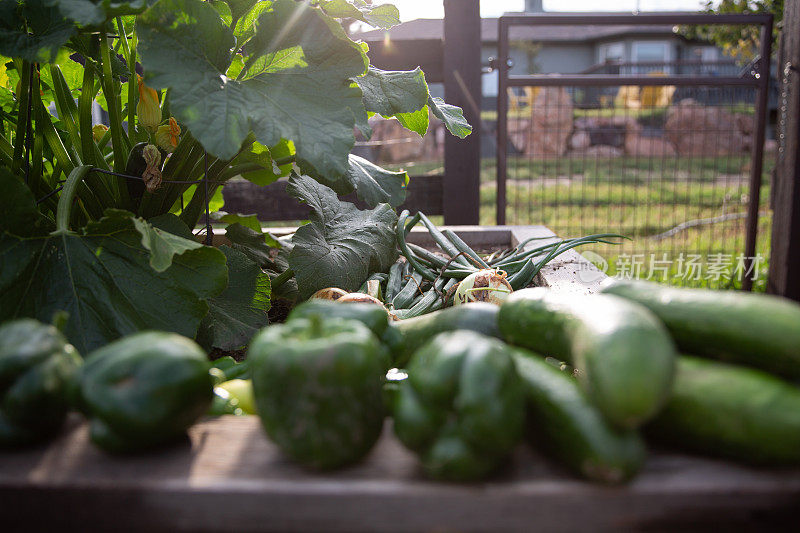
(238, 355)
(279, 310)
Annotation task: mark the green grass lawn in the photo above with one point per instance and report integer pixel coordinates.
(639, 198)
(646, 115)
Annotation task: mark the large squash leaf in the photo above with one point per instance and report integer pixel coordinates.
(237, 314)
(32, 30)
(389, 92)
(256, 246)
(36, 29)
(452, 117)
(120, 276)
(92, 12)
(253, 243)
(259, 155)
(342, 245)
(18, 212)
(292, 85)
(373, 184)
(248, 221)
(381, 15)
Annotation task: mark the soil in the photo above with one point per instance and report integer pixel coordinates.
(279, 310)
(238, 355)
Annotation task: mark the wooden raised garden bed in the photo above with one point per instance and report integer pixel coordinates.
(229, 477)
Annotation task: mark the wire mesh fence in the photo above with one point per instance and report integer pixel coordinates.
(665, 153)
(668, 168)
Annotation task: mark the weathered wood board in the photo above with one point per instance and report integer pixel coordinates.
(229, 477)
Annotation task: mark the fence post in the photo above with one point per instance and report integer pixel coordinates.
(784, 265)
(462, 87)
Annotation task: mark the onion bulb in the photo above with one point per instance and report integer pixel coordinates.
(359, 297)
(483, 286)
(330, 293)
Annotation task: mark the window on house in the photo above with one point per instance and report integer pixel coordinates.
(709, 54)
(489, 83)
(653, 56)
(612, 52)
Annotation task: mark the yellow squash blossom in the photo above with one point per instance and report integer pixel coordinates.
(168, 135)
(99, 131)
(148, 108)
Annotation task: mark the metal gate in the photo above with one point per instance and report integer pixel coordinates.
(708, 88)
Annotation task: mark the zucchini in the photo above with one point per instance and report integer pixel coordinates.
(395, 342)
(731, 411)
(479, 317)
(745, 328)
(136, 166)
(567, 427)
(624, 355)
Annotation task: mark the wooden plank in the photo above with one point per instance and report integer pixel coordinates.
(479, 237)
(784, 264)
(271, 203)
(228, 477)
(462, 87)
(569, 272)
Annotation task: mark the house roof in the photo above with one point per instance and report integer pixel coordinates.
(432, 29)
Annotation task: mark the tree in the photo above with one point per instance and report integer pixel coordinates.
(741, 42)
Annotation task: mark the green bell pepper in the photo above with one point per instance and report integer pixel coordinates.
(371, 315)
(36, 366)
(462, 407)
(318, 388)
(144, 390)
(374, 316)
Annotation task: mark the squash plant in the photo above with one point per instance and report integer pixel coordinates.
(97, 221)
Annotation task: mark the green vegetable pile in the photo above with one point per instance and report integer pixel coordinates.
(588, 380)
(36, 366)
(137, 393)
(98, 232)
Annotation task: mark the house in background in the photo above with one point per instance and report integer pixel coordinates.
(555, 49)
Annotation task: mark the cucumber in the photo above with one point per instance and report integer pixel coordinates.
(750, 329)
(624, 356)
(394, 341)
(562, 422)
(479, 317)
(731, 411)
